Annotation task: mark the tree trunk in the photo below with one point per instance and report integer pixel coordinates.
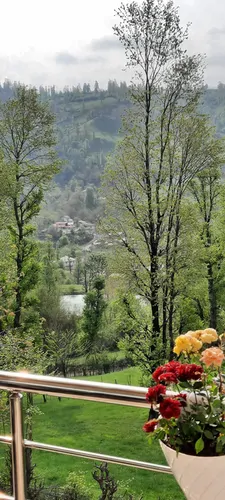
(164, 311)
(18, 307)
(155, 299)
(211, 284)
(212, 297)
(19, 266)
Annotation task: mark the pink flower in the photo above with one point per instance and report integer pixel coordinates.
(213, 356)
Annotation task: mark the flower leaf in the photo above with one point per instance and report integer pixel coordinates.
(199, 445)
(216, 403)
(208, 434)
(198, 385)
(185, 385)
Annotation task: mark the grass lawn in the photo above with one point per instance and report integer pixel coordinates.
(104, 428)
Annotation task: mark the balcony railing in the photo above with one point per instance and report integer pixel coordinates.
(18, 383)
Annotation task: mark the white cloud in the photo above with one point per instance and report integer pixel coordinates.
(65, 43)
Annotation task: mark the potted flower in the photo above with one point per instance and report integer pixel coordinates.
(187, 414)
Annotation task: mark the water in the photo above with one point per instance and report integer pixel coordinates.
(73, 303)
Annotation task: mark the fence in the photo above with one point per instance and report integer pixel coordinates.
(17, 383)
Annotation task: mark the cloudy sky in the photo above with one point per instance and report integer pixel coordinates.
(68, 42)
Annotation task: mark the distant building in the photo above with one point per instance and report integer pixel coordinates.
(65, 225)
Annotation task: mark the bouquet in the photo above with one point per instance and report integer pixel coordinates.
(187, 400)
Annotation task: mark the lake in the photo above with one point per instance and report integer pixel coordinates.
(73, 303)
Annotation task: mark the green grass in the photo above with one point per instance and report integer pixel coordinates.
(129, 376)
(111, 355)
(104, 428)
(71, 289)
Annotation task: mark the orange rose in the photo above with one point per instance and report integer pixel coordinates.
(213, 356)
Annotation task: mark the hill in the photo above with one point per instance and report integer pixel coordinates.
(88, 123)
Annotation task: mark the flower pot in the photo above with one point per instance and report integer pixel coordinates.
(200, 478)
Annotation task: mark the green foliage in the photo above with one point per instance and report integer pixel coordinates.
(166, 144)
(63, 241)
(76, 488)
(94, 265)
(71, 289)
(62, 344)
(27, 141)
(94, 308)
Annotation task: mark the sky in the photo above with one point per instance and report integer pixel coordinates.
(52, 42)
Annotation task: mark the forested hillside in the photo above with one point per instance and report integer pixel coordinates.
(88, 122)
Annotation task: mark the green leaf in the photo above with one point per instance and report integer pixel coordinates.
(216, 403)
(208, 434)
(161, 435)
(199, 445)
(198, 385)
(222, 439)
(185, 385)
(215, 391)
(219, 447)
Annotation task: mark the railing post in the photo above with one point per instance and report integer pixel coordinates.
(18, 471)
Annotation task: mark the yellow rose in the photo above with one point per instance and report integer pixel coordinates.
(186, 344)
(196, 334)
(209, 335)
(195, 344)
(182, 344)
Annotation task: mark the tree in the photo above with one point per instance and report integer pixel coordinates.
(166, 143)
(93, 311)
(96, 87)
(90, 201)
(19, 352)
(62, 346)
(95, 265)
(27, 140)
(78, 271)
(206, 189)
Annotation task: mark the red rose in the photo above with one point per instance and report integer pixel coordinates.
(156, 374)
(154, 393)
(195, 371)
(170, 407)
(171, 367)
(181, 398)
(150, 426)
(189, 372)
(168, 378)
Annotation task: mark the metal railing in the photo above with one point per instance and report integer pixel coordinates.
(17, 383)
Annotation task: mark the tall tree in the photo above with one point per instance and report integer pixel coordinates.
(95, 265)
(206, 189)
(93, 311)
(27, 140)
(165, 144)
(96, 87)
